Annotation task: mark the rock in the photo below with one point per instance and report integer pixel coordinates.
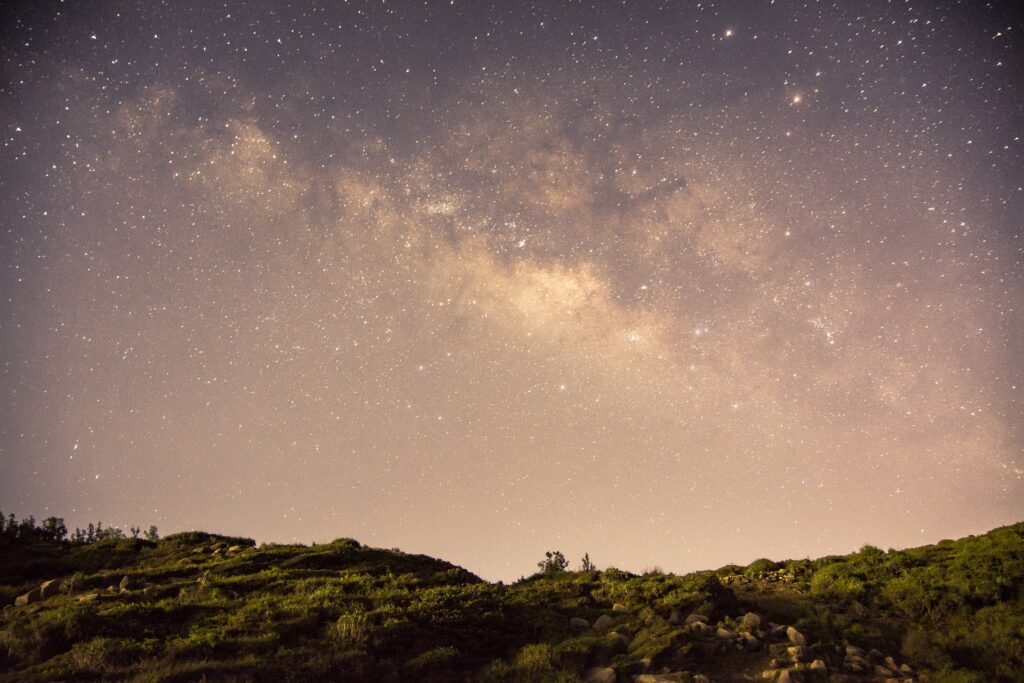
(644, 665)
(776, 649)
(841, 678)
(600, 674)
(852, 651)
(891, 664)
(795, 636)
(750, 621)
(88, 597)
(701, 678)
(787, 676)
(619, 641)
(699, 627)
(750, 642)
(694, 618)
(619, 608)
(675, 618)
(657, 678)
(907, 669)
(770, 674)
(882, 671)
(725, 633)
(49, 589)
(235, 549)
(818, 666)
(27, 598)
(602, 622)
(577, 624)
(777, 630)
(875, 656)
(799, 653)
(126, 583)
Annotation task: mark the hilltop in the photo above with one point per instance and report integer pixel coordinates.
(200, 606)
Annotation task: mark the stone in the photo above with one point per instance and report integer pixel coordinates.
(694, 618)
(776, 649)
(907, 669)
(235, 549)
(619, 608)
(799, 653)
(656, 678)
(725, 634)
(786, 676)
(578, 624)
(27, 598)
(619, 641)
(675, 618)
(795, 636)
(701, 678)
(88, 597)
(750, 621)
(49, 589)
(818, 666)
(700, 628)
(875, 656)
(852, 651)
(891, 664)
(882, 671)
(750, 642)
(770, 674)
(602, 622)
(599, 674)
(126, 583)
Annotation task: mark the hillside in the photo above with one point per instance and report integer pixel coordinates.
(197, 606)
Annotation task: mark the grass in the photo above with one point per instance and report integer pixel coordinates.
(345, 612)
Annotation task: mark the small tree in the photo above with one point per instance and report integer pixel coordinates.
(55, 529)
(135, 531)
(554, 562)
(586, 565)
(151, 534)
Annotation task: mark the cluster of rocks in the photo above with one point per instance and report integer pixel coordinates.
(793, 658)
(46, 590)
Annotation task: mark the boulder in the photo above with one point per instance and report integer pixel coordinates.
(795, 636)
(602, 622)
(725, 634)
(599, 674)
(818, 666)
(577, 624)
(619, 608)
(882, 671)
(699, 627)
(750, 642)
(693, 618)
(852, 651)
(49, 589)
(751, 621)
(27, 598)
(907, 669)
(799, 653)
(619, 641)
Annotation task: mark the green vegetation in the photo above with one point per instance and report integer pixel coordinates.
(201, 606)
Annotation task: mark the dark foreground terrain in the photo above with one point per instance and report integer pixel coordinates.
(198, 606)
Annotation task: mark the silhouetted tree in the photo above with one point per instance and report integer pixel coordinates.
(586, 565)
(151, 534)
(553, 563)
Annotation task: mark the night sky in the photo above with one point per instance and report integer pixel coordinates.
(676, 284)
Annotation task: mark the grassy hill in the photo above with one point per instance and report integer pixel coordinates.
(198, 606)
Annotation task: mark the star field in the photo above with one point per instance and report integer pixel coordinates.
(674, 284)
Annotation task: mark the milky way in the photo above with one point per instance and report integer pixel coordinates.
(675, 284)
